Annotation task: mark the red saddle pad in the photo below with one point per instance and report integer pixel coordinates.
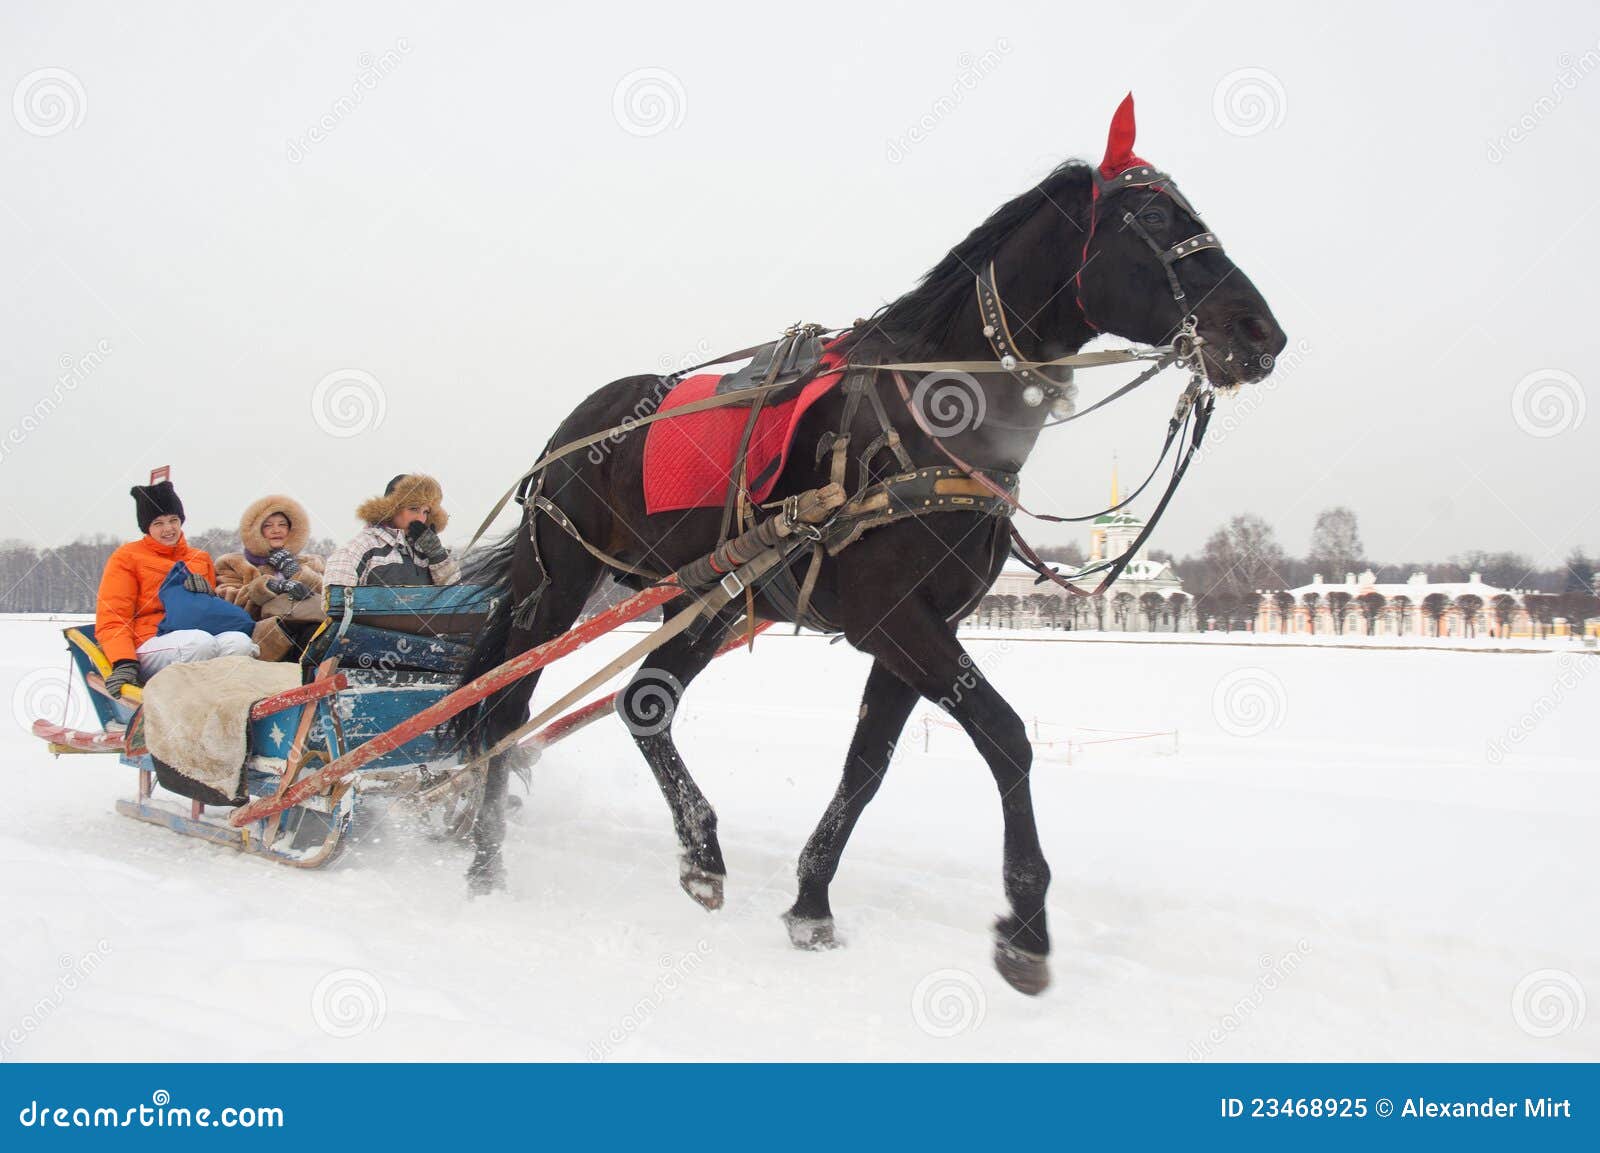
(688, 460)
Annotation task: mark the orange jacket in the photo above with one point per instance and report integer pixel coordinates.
(128, 610)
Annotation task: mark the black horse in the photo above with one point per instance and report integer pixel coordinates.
(1087, 250)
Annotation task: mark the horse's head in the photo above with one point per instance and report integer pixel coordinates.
(1149, 262)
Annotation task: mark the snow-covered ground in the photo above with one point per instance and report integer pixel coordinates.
(1343, 854)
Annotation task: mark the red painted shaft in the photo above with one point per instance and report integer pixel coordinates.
(299, 695)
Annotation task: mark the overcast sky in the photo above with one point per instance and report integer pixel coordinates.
(303, 247)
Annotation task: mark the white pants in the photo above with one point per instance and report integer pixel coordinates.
(190, 645)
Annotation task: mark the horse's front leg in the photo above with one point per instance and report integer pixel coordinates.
(918, 646)
(885, 705)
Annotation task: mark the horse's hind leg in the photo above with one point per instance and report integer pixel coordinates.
(573, 573)
(647, 706)
(885, 705)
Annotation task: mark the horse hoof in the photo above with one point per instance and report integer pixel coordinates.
(813, 934)
(1024, 971)
(704, 887)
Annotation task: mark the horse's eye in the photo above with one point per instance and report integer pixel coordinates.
(1154, 217)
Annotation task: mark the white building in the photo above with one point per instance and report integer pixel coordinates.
(1363, 605)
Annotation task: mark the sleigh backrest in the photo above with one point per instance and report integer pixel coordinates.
(402, 629)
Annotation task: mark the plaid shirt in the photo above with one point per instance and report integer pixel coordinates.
(378, 545)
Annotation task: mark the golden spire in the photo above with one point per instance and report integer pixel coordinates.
(1115, 495)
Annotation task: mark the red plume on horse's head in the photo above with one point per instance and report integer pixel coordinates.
(1119, 143)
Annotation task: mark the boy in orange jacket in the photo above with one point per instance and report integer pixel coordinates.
(156, 604)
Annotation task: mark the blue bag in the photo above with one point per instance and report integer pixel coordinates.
(203, 611)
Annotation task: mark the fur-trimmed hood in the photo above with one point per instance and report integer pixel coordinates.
(406, 489)
(250, 524)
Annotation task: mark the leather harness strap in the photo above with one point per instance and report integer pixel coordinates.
(859, 380)
(545, 505)
(792, 357)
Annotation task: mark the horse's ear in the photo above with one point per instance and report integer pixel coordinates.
(1119, 142)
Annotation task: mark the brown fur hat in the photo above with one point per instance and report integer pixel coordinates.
(250, 524)
(406, 489)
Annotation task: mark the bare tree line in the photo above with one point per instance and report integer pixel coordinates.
(65, 579)
(1242, 560)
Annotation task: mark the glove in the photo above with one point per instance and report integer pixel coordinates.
(280, 585)
(196, 583)
(122, 673)
(426, 542)
(283, 560)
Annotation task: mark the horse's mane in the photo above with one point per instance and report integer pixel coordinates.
(919, 321)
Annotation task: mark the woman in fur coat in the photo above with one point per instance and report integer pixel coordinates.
(400, 545)
(272, 578)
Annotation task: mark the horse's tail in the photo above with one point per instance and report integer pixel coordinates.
(490, 568)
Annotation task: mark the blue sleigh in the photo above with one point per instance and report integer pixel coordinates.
(383, 655)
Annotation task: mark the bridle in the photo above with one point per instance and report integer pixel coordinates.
(1037, 385)
(1143, 176)
(1193, 410)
